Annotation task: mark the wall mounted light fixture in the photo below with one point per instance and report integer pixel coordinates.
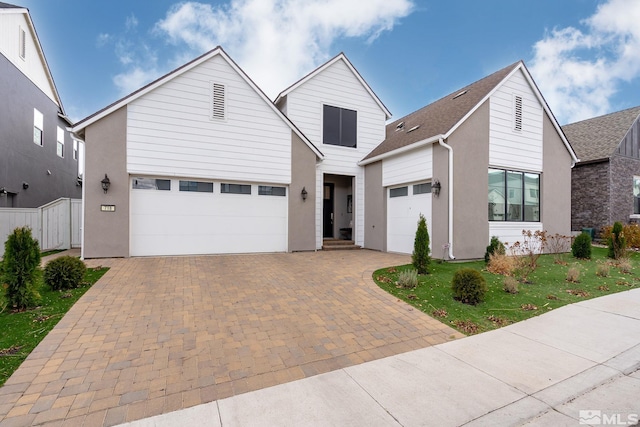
(25, 185)
(106, 183)
(303, 193)
(436, 187)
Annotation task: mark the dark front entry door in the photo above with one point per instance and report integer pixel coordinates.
(327, 209)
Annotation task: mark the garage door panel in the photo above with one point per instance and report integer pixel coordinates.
(403, 214)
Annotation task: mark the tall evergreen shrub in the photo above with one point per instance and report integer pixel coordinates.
(420, 256)
(616, 242)
(20, 269)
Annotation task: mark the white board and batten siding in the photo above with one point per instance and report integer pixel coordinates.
(511, 232)
(171, 132)
(509, 148)
(337, 86)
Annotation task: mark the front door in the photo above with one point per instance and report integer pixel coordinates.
(327, 209)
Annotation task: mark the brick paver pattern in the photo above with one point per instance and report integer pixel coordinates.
(155, 335)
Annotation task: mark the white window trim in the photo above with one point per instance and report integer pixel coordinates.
(60, 143)
(38, 122)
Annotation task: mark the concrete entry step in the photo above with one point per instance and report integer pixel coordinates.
(338, 245)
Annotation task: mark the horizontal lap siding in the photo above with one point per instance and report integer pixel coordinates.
(520, 150)
(415, 165)
(170, 133)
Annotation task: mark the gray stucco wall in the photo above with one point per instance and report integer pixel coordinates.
(302, 214)
(106, 234)
(24, 161)
(590, 204)
(555, 186)
(375, 208)
(470, 144)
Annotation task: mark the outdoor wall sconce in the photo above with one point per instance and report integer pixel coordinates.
(25, 185)
(106, 183)
(303, 193)
(436, 188)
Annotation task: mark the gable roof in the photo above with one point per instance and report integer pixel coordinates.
(340, 57)
(217, 51)
(442, 117)
(10, 8)
(597, 138)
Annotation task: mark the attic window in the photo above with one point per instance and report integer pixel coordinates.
(218, 101)
(517, 113)
(400, 126)
(22, 48)
(413, 128)
(460, 94)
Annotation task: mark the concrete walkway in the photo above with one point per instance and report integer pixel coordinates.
(577, 363)
(156, 335)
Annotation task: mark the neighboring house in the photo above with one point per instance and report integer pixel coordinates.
(199, 161)
(486, 160)
(40, 159)
(605, 184)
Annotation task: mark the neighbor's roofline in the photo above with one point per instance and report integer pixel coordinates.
(87, 121)
(338, 57)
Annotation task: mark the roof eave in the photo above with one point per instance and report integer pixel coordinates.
(398, 151)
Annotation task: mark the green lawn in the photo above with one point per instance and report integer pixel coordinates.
(21, 332)
(547, 290)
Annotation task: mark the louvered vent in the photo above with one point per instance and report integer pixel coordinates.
(517, 109)
(23, 44)
(218, 102)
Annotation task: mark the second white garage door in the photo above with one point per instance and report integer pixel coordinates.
(181, 217)
(404, 206)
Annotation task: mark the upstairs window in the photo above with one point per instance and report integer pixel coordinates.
(38, 127)
(339, 126)
(60, 142)
(22, 40)
(218, 101)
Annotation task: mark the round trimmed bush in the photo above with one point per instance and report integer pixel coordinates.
(581, 247)
(65, 272)
(468, 286)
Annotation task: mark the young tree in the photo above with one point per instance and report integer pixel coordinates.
(20, 268)
(420, 257)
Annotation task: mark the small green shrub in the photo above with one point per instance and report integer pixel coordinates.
(496, 247)
(468, 286)
(420, 256)
(20, 269)
(65, 272)
(616, 242)
(510, 285)
(581, 247)
(408, 279)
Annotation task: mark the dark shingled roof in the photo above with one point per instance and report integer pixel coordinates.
(439, 117)
(9, 6)
(597, 138)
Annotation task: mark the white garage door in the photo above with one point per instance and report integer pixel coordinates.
(180, 217)
(404, 206)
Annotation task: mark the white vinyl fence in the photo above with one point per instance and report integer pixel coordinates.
(56, 225)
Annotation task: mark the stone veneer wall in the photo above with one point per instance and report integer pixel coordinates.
(590, 202)
(623, 170)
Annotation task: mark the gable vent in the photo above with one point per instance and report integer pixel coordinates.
(517, 110)
(218, 104)
(22, 48)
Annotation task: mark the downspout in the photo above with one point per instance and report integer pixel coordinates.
(450, 191)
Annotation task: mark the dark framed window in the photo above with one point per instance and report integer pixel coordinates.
(235, 188)
(196, 186)
(513, 196)
(399, 192)
(339, 126)
(151, 184)
(267, 190)
(636, 195)
(422, 188)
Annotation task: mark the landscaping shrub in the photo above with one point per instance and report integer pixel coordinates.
(631, 234)
(581, 247)
(573, 275)
(501, 264)
(558, 245)
(602, 270)
(65, 272)
(624, 265)
(420, 256)
(20, 269)
(408, 279)
(510, 285)
(468, 286)
(616, 242)
(495, 248)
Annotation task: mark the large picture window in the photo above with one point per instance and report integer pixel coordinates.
(339, 126)
(513, 196)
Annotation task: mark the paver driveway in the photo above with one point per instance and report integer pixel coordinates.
(159, 334)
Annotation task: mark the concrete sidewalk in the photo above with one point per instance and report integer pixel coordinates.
(578, 362)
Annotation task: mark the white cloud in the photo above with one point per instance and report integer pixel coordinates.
(278, 41)
(134, 78)
(131, 22)
(580, 70)
(102, 39)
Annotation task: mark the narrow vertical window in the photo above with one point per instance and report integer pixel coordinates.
(218, 101)
(75, 149)
(517, 112)
(60, 143)
(38, 127)
(22, 40)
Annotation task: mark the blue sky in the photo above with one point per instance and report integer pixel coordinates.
(583, 54)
